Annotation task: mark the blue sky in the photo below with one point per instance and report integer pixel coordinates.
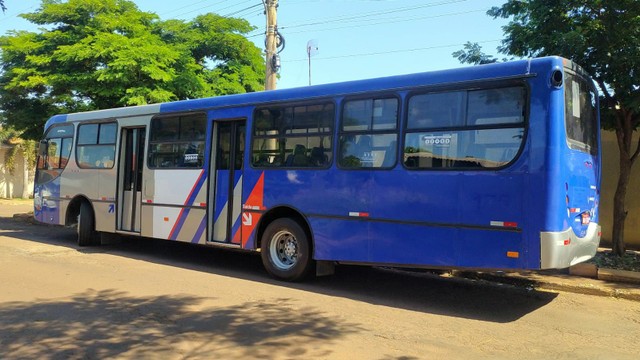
(357, 39)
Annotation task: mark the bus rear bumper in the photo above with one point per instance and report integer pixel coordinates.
(559, 250)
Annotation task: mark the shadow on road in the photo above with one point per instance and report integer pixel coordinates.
(416, 291)
(110, 324)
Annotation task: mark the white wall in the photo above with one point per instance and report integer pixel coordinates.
(11, 185)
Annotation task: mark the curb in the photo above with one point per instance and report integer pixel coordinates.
(619, 275)
(562, 282)
(590, 289)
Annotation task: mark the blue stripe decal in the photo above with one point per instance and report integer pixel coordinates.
(199, 183)
(200, 230)
(182, 217)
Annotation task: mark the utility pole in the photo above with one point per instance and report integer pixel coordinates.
(312, 49)
(271, 56)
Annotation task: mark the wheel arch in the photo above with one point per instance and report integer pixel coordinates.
(73, 209)
(283, 211)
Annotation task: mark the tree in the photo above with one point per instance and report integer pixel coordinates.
(602, 36)
(473, 54)
(19, 146)
(95, 54)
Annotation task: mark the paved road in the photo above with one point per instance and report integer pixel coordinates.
(151, 299)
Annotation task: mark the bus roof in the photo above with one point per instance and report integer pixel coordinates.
(442, 77)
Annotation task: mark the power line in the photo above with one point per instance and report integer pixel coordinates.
(379, 22)
(15, 14)
(189, 5)
(243, 10)
(363, 17)
(397, 20)
(391, 51)
(375, 13)
(217, 11)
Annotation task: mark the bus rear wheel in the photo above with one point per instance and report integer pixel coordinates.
(87, 235)
(285, 250)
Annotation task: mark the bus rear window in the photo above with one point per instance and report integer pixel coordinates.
(581, 121)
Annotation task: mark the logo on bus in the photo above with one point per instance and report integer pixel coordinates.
(437, 140)
(247, 219)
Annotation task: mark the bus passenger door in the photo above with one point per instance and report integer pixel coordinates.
(227, 156)
(130, 179)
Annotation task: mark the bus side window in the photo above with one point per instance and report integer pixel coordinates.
(298, 136)
(486, 131)
(368, 128)
(177, 141)
(96, 145)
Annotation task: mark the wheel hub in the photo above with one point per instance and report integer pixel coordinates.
(284, 250)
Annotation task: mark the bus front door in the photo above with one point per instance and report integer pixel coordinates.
(228, 151)
(130, 179)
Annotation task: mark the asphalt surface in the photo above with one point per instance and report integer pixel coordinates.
(548, 280)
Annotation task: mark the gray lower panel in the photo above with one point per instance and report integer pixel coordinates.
(559, 250)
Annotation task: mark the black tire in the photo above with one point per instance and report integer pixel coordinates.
(87, 235)
(286, 250)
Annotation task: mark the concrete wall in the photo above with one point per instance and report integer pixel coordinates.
(11, 185)
(610, 172)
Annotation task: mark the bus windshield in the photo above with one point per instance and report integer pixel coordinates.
(581, 122)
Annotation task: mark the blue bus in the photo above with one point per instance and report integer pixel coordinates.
(487, 167)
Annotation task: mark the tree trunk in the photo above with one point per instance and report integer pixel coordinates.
(619, 212)
(625, 124)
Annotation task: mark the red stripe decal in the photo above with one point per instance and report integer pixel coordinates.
(249, 220)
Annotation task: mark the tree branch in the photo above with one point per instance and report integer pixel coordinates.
(634, 122)
(604, 90)
(637, 151)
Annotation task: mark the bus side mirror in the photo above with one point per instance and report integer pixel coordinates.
(43, 148)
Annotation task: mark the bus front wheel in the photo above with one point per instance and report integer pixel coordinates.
(285, 250)
(87, 234)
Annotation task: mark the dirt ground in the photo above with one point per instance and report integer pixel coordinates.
(141, 299)
(9, 207)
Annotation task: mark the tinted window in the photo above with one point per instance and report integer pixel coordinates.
(487, 130)
(60, 131)
(293, 136)
(88, 134)
(53, 154)
(96, 145)
(496, 106)
(177, 141)
(60, 140)
(370, 114)
(581, 111)
(108, 133)
(59, 143)
(486, 148)
(369, 137)
(436, 110)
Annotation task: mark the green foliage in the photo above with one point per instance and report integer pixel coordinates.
(95, 54)
(18, 146)
(472, 54)
(600, 35)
